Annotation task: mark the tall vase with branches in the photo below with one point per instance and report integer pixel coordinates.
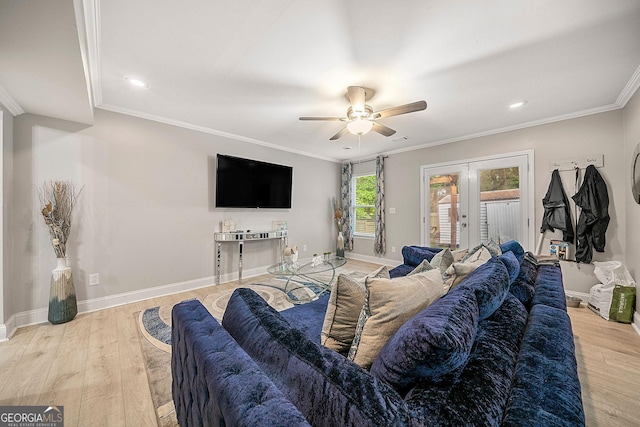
(58, 199)
(337, 217)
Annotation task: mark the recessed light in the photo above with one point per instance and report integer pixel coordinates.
(517, 104)
(134, 81)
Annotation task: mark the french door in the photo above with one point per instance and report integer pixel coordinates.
(468, 203)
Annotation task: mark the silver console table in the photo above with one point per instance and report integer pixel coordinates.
(239, 238)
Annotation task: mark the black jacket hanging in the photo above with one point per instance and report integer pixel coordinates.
(557, 212)
(593, 199)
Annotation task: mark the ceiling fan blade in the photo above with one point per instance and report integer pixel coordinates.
(382, 129)
(401, 109)
(338, 135)
(356, 97)
(328, 119)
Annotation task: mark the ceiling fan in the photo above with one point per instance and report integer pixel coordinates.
(361, 118)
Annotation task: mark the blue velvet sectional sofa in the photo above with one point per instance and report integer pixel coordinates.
(495, 350)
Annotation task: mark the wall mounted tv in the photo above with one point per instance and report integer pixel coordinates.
(245, 183)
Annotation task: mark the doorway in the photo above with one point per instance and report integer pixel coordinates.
(472, 201)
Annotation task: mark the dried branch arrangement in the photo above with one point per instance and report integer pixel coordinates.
(58, 199)
(337, 213)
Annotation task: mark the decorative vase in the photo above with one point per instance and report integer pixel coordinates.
(63, 305)
(340, 245)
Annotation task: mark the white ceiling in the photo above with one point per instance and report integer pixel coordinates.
(249, 69)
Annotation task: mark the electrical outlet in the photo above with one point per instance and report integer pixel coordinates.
(393, 249)
(304, 248)
(94, 279)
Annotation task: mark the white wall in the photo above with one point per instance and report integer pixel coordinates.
(632, 224)
(146, 215)
(595, 134)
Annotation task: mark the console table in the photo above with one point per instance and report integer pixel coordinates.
(239, 237)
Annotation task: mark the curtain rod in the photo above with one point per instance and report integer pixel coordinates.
(366, 160)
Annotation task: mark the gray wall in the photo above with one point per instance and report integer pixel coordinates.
(146, 215)
(632, 221)
(7, 215)
(594, 134)
(6, 236)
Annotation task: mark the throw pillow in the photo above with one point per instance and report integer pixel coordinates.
(432, 343)
(459, 254)
(345, 303)
(389, 303)
(421, 268)
(442, 260)
(459, 270)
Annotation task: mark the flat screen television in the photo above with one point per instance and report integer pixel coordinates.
(246, 183)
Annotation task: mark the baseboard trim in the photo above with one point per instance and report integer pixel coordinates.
(582, 295)
(373, 259)
(8, 329)
(636, 322)
(40, 315)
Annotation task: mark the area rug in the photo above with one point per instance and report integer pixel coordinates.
(154, 326)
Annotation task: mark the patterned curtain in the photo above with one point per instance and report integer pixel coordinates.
(345, 203)
(380, 243)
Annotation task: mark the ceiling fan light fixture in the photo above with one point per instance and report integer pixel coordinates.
(359, 126)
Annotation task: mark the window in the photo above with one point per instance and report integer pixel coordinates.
(364, 205)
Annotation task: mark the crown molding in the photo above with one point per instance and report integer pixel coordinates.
(9, 101)
(88, 23)
(210, 131)
(630, 88)
(519, 126)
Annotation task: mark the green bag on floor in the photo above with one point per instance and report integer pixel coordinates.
(623, 304)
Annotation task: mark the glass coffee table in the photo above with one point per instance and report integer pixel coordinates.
(307, 280)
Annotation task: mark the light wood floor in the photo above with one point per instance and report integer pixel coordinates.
(93, 366)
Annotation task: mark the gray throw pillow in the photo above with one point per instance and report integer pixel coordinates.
(343, 310)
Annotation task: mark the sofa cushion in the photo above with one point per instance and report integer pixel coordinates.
(490, 283)
(476, 394)
(401, 270)
(523, 287)
(389, 303)
(432, 343)
(308, 318)
(215, 381)
(549, 289)
(413, 255)
(546, 389)
(343, 310)
(328, 389)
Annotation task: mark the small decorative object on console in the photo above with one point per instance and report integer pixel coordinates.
(227, 225)
(291, 255)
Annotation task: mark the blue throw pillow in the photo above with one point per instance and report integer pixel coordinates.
(515, 247)
(327, 389)
(490, 283)
(523, 287)
(513, 265)
(431, 344)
